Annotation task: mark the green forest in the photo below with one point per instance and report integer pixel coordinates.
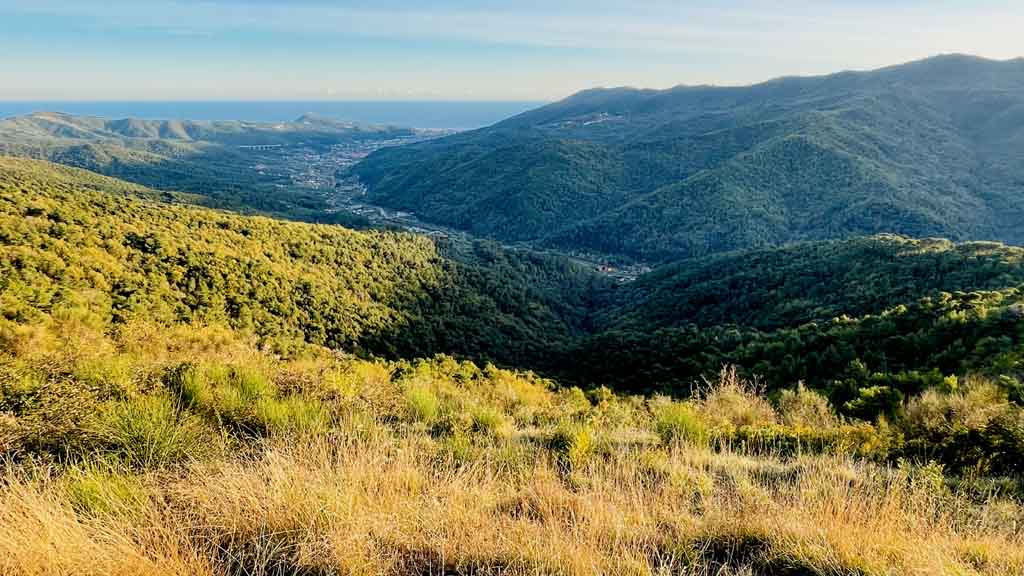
(657, 175)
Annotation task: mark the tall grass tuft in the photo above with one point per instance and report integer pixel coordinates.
(150, 431)
(677, 422)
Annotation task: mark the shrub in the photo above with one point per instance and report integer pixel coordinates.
(805, 407)
(731, 401)
(861, 439)
(875, 401)
(102, 489)
(422, 404)
(294, 414)
(42, 414)
(490, 422)
(573, 444)
(934, 413)
(678, 422)
(149, 431)
(241, 397)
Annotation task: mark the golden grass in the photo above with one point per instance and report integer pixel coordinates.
(395, 505)
(499, 474)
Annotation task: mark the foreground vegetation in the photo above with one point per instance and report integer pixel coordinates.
(187, 450)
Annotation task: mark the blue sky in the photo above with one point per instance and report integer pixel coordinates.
(458, 49)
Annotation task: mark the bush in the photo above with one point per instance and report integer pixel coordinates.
(422, 404)
(573, 444)
(103, 489)
(490, 422)
(804, 407)
(43, 414)
(241, 397)
(862, 439)
(294, 414)
(731, 401)
(678, 422)
(934, 413)
(149, 431)
(875, 401)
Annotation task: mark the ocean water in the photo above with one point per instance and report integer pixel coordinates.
(448, 115)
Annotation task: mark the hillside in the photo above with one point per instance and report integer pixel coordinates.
(922, 149)
(190, 391)
(884, 315)
(78, 243)
(841, 316)
(213, 159)
(787, 287)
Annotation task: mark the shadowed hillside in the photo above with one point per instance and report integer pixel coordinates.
(928, 148)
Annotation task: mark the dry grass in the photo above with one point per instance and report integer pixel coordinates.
(441, 468)
(395, 505)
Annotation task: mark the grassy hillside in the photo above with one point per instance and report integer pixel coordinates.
(186, 450)
(691, 171)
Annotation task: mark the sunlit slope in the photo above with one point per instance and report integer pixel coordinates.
(72, 239)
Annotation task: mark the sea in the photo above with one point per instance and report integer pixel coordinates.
(427, 114)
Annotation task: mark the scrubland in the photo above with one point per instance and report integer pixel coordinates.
(189, 450)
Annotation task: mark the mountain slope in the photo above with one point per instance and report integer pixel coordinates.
(214, 159)
(73, 242)
(846, 316)
(926, 148)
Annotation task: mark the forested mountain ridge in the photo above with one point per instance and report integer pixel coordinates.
(137, 132)
(929, 148)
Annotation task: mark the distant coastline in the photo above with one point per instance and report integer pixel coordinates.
(422, 114)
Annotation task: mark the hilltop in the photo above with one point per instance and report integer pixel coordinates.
(922, 149)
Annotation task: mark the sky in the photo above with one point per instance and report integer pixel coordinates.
(465, 50)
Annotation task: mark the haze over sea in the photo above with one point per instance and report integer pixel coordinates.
(451, 115)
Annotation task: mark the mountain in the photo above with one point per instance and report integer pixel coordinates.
(135, 132)
(929, 148)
